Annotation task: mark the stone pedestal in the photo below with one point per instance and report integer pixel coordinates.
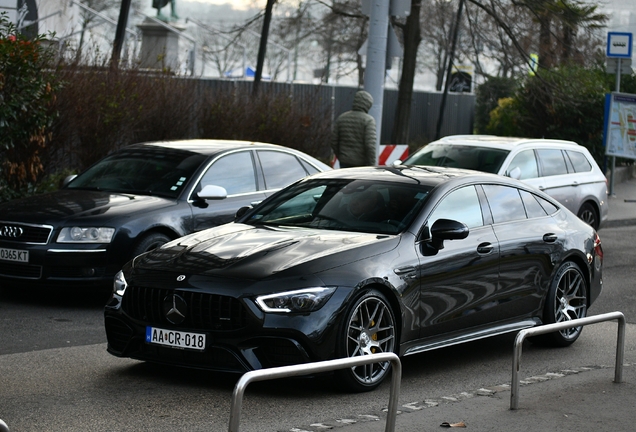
(159, 45)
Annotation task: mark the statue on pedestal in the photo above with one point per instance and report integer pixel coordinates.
(159, 4)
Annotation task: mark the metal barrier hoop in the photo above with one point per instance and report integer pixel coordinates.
(549, 328)
(324, 366)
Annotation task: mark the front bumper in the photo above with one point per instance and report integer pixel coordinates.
(239, 336)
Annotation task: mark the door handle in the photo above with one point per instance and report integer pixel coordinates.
(550, 238)
(485, 248)
(407, 272)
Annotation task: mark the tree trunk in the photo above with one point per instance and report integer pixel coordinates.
(412, 39)
(546, 52)
(263, 46)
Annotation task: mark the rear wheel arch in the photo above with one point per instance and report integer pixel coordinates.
(150, 240)
(563, 303)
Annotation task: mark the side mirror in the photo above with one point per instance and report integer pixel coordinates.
(447, 229)
(396, 163)
(515, 173)
(212, 192)
(241, 212)
(68, 179)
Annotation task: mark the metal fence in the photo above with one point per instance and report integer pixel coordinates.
(549, 328)
(459, 111)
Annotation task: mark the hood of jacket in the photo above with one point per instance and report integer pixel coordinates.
(362, 101)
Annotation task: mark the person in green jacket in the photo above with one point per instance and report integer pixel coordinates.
(354, 134)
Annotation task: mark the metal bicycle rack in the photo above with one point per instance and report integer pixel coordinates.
(324, 366)
(549, 328)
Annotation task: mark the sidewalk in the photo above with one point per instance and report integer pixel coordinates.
(583, 401)
(622, 203)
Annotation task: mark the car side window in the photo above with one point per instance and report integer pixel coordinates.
(280, 169)
(234, 172)
(461, 205)
(552, 162)
(547, 205)
(505, 203)
(579, 161)
(309, 167)
(527, 163)
(533, 208)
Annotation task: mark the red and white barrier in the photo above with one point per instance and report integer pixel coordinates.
(391, 152)
(388, 153)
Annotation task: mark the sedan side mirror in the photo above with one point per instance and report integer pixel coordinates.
(241, 212)
(447, 229)
(396, 163)
(68, 179)
(212, 192)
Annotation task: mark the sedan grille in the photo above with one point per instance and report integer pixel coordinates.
(23, 271)
(204, 311)
(25, 233)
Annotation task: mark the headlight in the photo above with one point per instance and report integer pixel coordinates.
(119, 284)
(85, 235)
(304, 300)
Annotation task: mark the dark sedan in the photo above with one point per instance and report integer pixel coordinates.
(359, 261)
(134, 200)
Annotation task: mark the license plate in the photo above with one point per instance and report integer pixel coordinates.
(14, 255)
(175, 339)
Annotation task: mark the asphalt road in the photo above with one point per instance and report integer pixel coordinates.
(55, 374)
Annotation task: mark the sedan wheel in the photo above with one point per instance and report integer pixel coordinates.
(368, 329)
(566, 301)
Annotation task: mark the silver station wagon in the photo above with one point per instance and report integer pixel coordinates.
(564, 170)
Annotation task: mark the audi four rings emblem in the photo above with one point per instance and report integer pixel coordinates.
(11, 231)
(180, 278)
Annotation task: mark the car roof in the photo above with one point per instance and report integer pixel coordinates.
(424, 175)
(208, 146)
(506, 143)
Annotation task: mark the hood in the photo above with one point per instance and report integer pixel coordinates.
(362, 101)
(246, 252)
(74, 204)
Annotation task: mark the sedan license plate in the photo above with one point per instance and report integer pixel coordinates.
(14, 255)
(175, 339)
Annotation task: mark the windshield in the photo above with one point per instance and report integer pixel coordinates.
(483, 159)
(147, 171)
(347, 205)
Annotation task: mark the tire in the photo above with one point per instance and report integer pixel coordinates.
(368, 328)
(148, 243)
(588, 214)
(566, 300)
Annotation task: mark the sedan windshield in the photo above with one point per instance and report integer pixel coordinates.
(483, 159)
(348, 205)
(149, 171)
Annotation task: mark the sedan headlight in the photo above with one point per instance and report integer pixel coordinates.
(86, 235)
(119, 284)
(304, 300)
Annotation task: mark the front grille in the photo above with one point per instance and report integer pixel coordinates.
(204, 311)
(22, 271)
(67, 272)
(25, 233)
